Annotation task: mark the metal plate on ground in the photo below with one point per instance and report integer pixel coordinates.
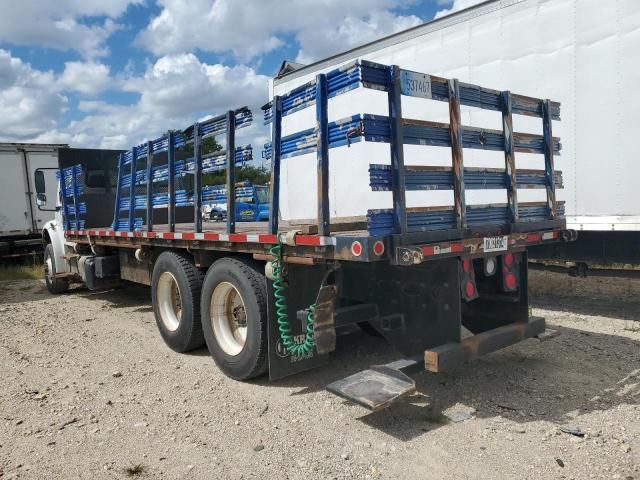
(375, 388)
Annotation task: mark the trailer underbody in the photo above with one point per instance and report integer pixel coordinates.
(417, 304)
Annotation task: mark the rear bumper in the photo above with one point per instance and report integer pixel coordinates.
(474, 247)
(452, 355)
(380, 386)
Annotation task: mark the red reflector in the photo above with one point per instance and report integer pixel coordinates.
(470, 289)
(356, 249)
(510, 281)
(428, 251)
(466, 265)
(508, 259)
(378, 248)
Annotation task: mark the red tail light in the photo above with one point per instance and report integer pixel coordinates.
(468, 288)
(510, 272)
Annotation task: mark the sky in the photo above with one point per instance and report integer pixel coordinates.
(115, 73)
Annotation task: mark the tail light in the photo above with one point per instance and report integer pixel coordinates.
(510, 272)
(490, 266)
(468, 287)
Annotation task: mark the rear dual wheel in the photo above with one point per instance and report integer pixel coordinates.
(234, 318)
(228, 311)
(175, 292)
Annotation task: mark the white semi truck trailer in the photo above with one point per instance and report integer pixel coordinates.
(583, 53)
(21, 222)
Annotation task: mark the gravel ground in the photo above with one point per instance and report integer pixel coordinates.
(90, 391)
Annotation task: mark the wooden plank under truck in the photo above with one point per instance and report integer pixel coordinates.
(268, 297)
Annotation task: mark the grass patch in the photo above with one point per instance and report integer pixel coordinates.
(21, 272)
(135, 470)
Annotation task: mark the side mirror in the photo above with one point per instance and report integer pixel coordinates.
(41, 186)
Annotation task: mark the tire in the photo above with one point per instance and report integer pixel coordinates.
(175, 293)
(54, 285)
(231, 284)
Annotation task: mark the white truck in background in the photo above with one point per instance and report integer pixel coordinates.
(21, 221)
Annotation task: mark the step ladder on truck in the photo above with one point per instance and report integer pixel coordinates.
(269, 297)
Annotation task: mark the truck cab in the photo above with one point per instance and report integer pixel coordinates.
(89, 172)
(252, 203)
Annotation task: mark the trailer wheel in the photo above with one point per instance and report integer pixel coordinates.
(175, 292)
(234, 313)
(54, 285)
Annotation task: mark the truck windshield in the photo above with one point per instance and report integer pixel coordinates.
(263, 194)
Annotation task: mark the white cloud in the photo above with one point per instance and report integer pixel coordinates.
(231, 26)
(173, 93)
(179, 84)
(455, 6)
(60, 24)
(177, 87)
(30, 102)
(89, 78)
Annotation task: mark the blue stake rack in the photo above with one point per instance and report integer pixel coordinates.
(145, 184)
(72, 187)
(450, 222)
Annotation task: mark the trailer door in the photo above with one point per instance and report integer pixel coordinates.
(15, 216)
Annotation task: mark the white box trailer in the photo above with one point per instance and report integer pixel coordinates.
(583, 53)
(21, 221)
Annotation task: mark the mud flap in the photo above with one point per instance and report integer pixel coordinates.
(324, 331)
(303, 285)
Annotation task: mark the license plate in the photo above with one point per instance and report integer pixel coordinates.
(496, 244)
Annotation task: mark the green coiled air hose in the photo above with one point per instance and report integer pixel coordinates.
(279, 287)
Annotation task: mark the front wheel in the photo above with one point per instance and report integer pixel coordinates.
(54, 285)
(234, 318)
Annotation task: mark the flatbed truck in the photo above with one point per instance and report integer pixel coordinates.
(268, 297)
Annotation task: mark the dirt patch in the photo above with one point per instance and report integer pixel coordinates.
(90, 391)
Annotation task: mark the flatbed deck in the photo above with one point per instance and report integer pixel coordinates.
(355, 245)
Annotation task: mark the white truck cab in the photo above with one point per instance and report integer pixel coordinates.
(63, 262)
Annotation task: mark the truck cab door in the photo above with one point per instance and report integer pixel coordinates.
(246, 208)
(245, 211)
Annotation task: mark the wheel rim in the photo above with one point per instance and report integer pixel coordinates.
(48, 269)
(228, 318)
(169, 301)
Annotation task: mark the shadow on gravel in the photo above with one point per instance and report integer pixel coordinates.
(126, 296)
(609, 307)
(554, 381)
(19, 291)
